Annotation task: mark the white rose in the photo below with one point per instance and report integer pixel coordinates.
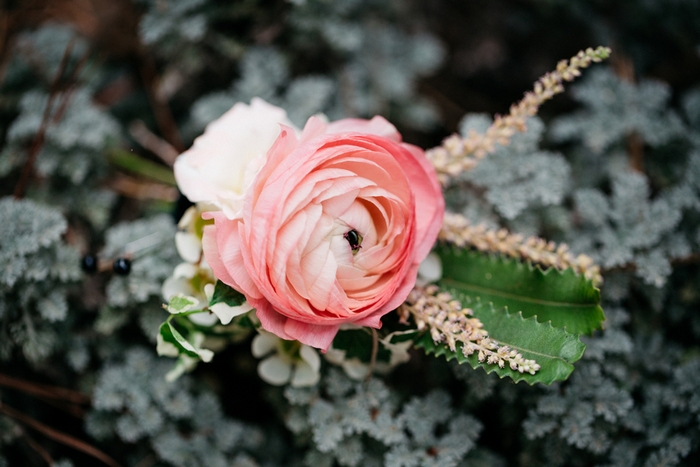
(224, 160)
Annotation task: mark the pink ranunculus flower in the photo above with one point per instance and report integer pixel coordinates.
(332, 229)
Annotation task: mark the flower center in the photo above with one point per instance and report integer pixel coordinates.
(354, 239)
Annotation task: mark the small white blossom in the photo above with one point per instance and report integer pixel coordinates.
(194, 278)
(287, 361)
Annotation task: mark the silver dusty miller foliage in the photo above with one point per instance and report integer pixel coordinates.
(38, 269)
(633, 399)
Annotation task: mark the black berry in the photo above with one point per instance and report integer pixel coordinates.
(122, 266)
(89, 264)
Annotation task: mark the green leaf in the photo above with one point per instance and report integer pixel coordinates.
(137, 164)
(357, 343)
(225, 294)
(173, 336)
(181, 303)
(565, 298)
(552, 348)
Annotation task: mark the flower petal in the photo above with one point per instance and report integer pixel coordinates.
(314, 335)
(189, 246)
(274, 370)
(226, 313)
(304, 375)
(263, 344)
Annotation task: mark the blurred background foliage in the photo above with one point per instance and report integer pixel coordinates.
(98, 96)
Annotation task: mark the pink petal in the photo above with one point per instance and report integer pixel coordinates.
(271, 320)
(430, 204)
(224, 253)
(378, 126)
(213, 257)
(313, 335)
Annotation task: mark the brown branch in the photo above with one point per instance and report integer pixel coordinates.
(373, 358)
(43, 390)
(635, 149)
(164, 118)
(6, 41)
(37, 447)
(58, 436)
(68, 94)
(623, 67)
(38, 141)
(161, 148)
(137, 189)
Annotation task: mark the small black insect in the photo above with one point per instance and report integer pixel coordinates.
(89, 264)
(354, 239)
(122, 266)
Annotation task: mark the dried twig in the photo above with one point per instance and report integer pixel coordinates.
(164, 118)
(158, 146)
(38, 141)
(58, 436)
(37, 447)
(43, 390)
(138, 189)
(373, 358)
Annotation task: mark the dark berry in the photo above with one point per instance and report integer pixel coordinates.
(89, 264)
(122, 266)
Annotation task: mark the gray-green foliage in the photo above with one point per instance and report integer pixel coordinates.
(265, 74)
(134, 403)
(71, 157)
(42, 50)
(382, 63)
(172, 23)
(519, 175)
(632, 400)
(614, 109)
(380, 68)
(151, 245)
(365, 424)
(72, 148)
(629, 228)
(38, 268)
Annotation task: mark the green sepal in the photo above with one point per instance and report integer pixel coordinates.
(173, 336)
(565, 298)
(225, 294)
(554, 349)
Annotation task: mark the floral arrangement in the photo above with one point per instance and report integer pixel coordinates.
(312, 237)
(312, 303)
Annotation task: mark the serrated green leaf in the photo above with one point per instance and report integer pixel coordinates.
(181, 303)
(552, 348)
(225, 294)
(565, 298)
(173, 336)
